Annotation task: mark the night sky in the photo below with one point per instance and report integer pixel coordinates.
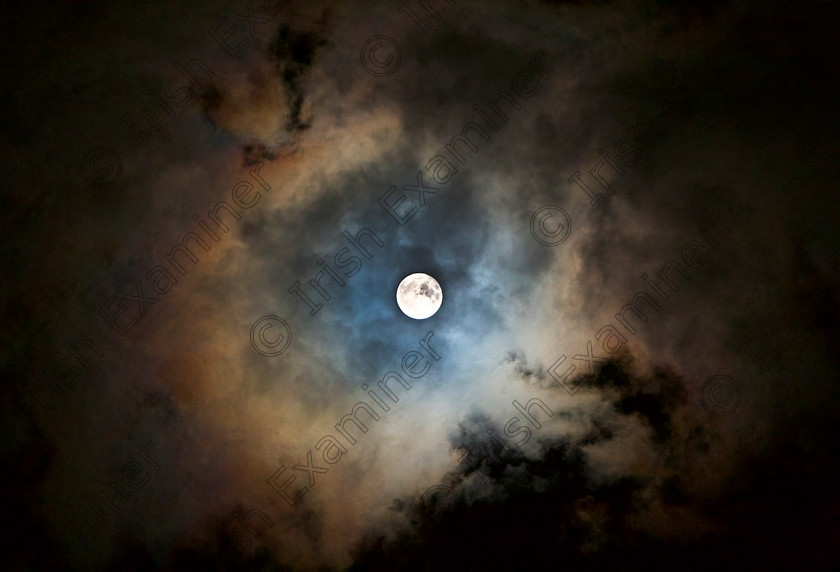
(631, 208)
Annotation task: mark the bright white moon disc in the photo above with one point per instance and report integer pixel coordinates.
(419, 296)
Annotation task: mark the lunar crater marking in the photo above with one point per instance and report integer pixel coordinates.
(419, 296)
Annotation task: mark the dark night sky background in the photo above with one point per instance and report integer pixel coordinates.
(705, 438)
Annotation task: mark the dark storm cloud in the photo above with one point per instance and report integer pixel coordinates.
(282, 86)
(295, 51)
(502, 509)
(532, 374)
(533, 504)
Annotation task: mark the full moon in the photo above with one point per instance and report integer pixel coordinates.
(419, 296)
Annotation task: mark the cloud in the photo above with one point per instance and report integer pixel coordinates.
(708, 133)
(503, 507)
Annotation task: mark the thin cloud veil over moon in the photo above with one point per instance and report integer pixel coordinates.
(216, 360)
(419, 296)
